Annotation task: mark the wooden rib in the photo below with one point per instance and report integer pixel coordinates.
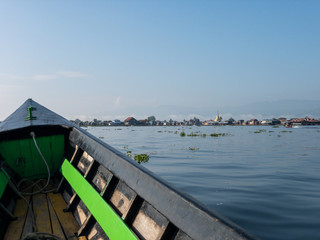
(41, 214)
(56, 228)
(89, 175)
(74, 200)
(15, 228)
(74, 161)
(76, 156)
(67, 220)
(90, 221)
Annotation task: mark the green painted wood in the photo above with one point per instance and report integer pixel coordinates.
(3, 182)
(23, 157)
(56, 143)
(110, 222)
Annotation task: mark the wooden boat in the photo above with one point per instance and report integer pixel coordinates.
(89, 190)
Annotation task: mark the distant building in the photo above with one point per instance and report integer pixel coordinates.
(130, 121)
(218, 118)
(116, 122)
(270, 122)
(142, 122)
(283, 120)
(240, 122)
(253, 122)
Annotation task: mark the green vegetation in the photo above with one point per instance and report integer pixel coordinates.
(260, 131)
(218, 134)
(182, 134)
(139, 158)
(285, 131)
(192, 134)
(193, 148)
(101, 137)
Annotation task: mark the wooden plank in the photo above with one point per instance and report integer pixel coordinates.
(28, 225)
(41, 213)
(66, 219)
(15, 228)
(56, 228)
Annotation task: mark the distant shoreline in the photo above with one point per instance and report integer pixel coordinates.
(196, 122)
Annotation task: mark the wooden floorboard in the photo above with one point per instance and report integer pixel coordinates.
(66, 219)
(56, 227)
(47, 216)
(15, 228)
(41, 213)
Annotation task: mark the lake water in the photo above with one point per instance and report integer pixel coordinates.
(265, 179)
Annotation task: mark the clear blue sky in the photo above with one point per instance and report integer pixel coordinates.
(109, 59)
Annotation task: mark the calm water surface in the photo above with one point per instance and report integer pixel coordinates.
(265, 179)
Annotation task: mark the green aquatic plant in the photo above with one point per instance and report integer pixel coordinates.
(139, 158)
(101, 137)
(193, 148)
(260, 131)
(129, 154)
(192, 134)
(218, 134)
(204, 135)
(285, 131)
(182, 134)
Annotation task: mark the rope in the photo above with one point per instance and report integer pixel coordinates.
(33, 135)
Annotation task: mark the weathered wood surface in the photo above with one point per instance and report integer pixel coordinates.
(56, 227)
(15, 228)
(66, 219)
(41, 214)
(47, 217)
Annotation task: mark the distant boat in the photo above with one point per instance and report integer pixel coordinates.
(90, 190)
